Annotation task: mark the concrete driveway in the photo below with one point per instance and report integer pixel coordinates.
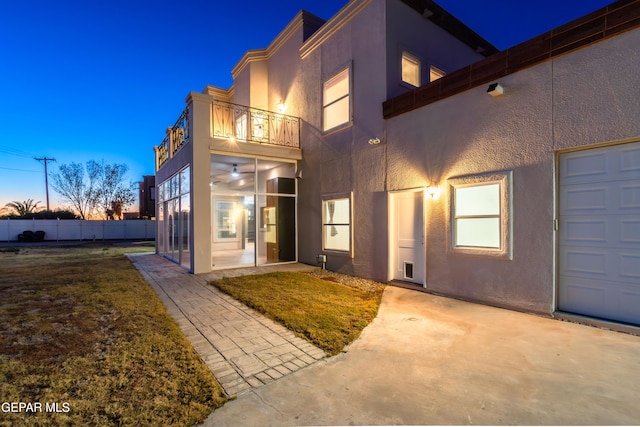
(433, 360)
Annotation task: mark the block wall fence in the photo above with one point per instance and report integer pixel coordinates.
(72, 229)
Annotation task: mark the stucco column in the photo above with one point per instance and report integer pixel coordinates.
(200, 227)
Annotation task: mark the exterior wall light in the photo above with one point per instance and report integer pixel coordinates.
(434, 192)
(235, 173)
(495, 89)
(281, 107)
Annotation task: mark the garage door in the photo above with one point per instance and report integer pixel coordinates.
(599, 234)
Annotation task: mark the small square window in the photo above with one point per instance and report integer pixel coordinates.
(410, 69)
(480, 215)
(435, 73)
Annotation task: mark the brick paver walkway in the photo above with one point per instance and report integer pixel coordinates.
(243, 348)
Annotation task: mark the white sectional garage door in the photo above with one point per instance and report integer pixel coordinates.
(599, 234)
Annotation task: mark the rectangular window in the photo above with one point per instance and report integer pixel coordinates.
(335, 101)
(226, 220)
(174, 216)
(435, 73)
(480, 211)
(477, 216)
(410, 69)
(336, 224)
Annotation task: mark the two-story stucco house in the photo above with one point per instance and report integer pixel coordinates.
(394, 143)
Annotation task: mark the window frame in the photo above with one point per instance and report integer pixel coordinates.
(410, 57)
(325, 105)
(326, 223)
(173, 202)
(504, 180)
(437, 70)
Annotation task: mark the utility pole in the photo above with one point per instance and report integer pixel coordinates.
(46, 175)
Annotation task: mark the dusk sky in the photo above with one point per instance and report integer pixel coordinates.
(102, 79)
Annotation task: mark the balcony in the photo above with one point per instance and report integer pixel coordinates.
(229, 122)
(240, 123)
(176, 136)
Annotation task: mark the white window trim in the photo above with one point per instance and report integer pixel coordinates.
(349, 95)
(505, 180)
(415, 59)
(329, 197)
(436, 70)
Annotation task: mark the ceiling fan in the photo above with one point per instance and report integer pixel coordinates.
(235, 173)
(222, 174)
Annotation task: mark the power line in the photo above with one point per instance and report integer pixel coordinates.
(20, 170)
(15, 152)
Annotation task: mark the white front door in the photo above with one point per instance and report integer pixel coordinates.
(407, 236)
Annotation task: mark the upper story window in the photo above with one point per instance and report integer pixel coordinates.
(435, 73)
(480, 215)
(410, 69)
(336, 105)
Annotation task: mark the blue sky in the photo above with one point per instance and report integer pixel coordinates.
(90, 80)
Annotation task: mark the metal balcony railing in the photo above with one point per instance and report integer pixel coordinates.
(176, 136)
(180, 131)
(242, 123)
(162, 152)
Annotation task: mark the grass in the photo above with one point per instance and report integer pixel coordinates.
(328, 314)
(81, 328)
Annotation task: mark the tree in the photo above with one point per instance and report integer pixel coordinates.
(81, 192)
(115, 194)
(25, 208)
(102, 189)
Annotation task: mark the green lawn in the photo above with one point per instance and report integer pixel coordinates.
(328, 314)
(81, 328)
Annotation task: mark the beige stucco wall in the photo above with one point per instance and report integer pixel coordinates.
(596, 93)
(343, 161)
(338, 162)
(586, 97)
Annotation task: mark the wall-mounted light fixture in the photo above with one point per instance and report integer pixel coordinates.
(374, 141)
(433, 191)
(281, 107)
(234, 172)
(299, 174)
(495, 89)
